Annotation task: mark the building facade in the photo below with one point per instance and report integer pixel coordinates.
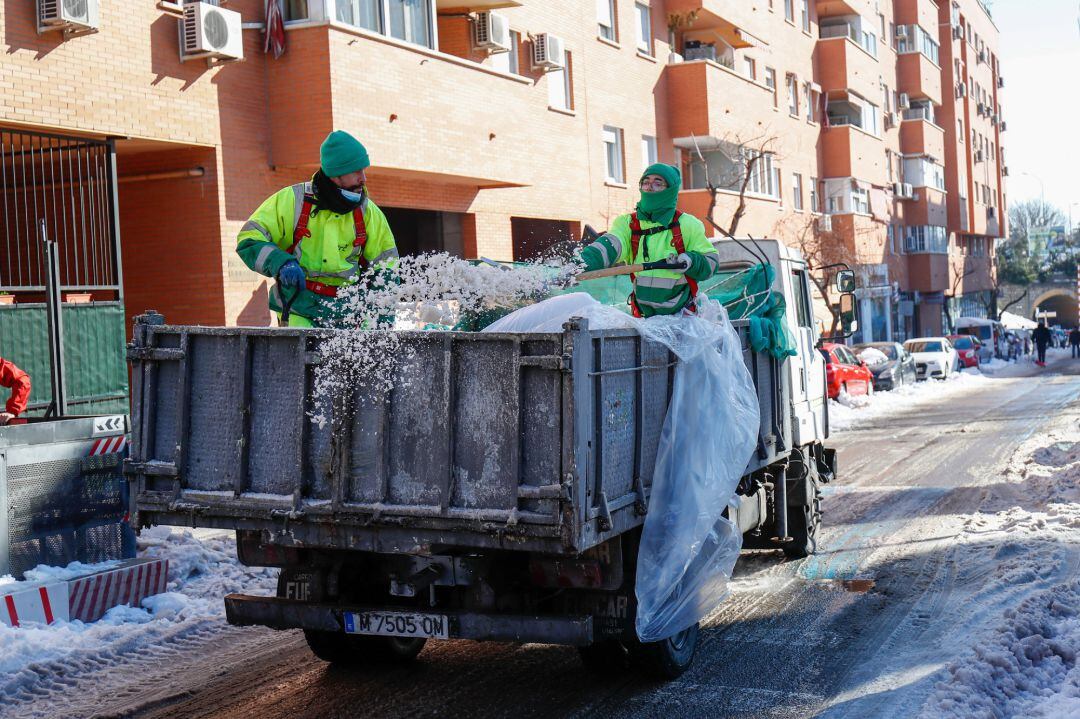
(862, 132)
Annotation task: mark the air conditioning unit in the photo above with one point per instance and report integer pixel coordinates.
(74, 17)
(1002, 126)
(1001, 81)
(901, 30)
(891, 120)
(978, 156)
(980, 109)
(824, 223)
(548, 52)
(905, 101)
(993, 120)
(208, 31)
(902, 190)
(907, 190)
(492, 32)
(1005, 171)
(957, 32)
(982, 56)
(961, 90)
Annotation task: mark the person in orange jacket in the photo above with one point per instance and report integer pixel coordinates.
(19, 383)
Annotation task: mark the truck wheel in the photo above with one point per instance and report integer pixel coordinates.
(604, 657)
(668, 658)
(349, 649)
(803, 527)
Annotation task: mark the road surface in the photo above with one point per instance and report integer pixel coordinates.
(831, 635)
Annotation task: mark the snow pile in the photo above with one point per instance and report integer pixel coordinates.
(1025, 665)
(872, 356)
(847, 412)
(201, 572)
(430, 290)
(551, 314)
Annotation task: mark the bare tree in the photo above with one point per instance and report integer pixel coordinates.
(822, 250)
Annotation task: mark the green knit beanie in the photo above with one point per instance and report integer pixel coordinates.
(341, 153)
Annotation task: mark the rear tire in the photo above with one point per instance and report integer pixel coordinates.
(668, 658)
(605, 658)
(804, 525)
(351, 649)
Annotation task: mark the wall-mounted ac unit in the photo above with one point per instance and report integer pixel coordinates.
(824, 223)
(907, 191)
(1002, 126)
(208, 31)
(1005, 171)
(1001, 81)
(905, 101)
(961, 90)
(492, 32)
(548, 52)
(978, 156)
(74, 17)
(957, 32)
(891, 119)
(982, 56)
(901, 30)
(993, 120)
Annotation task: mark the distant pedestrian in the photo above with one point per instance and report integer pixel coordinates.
(1074, 342)
(1041, 335)
(19, 383)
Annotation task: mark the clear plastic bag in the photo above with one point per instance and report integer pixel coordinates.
(688, 548)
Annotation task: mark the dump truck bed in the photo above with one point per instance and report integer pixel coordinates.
(535, 442)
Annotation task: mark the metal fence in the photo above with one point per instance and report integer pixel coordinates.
(70, 184)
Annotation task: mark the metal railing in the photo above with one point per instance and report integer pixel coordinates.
(69, 183)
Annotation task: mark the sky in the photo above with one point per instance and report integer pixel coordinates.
(1040, 61)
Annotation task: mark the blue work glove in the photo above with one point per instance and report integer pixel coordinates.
(291, 274)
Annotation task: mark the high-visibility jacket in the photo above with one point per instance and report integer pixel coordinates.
(19, 383)
(330, 255)
(656, 292)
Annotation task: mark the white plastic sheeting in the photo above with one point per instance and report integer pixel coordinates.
(688, 548)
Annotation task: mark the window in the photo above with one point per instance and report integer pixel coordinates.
(918, 40)
(648, 150)
(605, 19)
(806, 15)
(796, 190)
(802, 298)
(789, 11)
(770, 82)
(921, 172)
(560, 85)
(815, 205)
(613, 154)
(926, 238)
(410, 20)
(793, 94)
(750, 68)
(860, 201)
(359, 13)
(725, 168)
(508, 61)
(812, 96)
(644, 28)
(296, 10)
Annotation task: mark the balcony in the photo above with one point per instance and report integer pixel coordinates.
(848, 151)
(707, 100)
(739, 24)
(929, 208)
(919, 136)
(834, 8)
(846, 65)
(314, 88)
(919, 77)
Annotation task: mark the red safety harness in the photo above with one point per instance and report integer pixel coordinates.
(302, 231)
(636, 233)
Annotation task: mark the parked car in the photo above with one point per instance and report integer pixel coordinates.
(990, 332)
(891, 365)
(845, 372)
(934, 357)
(967, 348)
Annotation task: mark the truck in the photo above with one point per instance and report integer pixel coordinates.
(497, 492)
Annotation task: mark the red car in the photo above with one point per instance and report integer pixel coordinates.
(844, 371)
(967, 348)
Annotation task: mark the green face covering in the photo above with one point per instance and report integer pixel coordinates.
(659, 207)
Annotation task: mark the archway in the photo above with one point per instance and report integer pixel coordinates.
(1062, 302)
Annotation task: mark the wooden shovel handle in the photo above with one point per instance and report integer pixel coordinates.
(611, 272)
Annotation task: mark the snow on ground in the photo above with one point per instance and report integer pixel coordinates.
(849, 412)
(202, 569)
(1022, 660)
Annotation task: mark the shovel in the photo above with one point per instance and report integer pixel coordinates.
(669, 264)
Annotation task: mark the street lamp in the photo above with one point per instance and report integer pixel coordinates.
(1042, 187)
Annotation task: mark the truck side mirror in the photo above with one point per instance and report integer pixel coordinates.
(845, 281)
(847, 312)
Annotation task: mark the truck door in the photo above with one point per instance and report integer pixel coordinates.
(808, 368)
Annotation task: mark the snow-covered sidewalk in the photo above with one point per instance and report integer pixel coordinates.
(849, 412)
(202, 569)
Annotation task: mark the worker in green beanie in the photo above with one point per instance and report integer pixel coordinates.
(317, 237)
(656, 230)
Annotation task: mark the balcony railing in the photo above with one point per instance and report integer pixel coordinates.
(867, 41)
(919, 113)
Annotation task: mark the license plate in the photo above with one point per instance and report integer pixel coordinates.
(397, 624)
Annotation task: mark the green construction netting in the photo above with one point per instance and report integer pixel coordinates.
(744, 292)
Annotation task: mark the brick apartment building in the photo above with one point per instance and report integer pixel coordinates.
(876, 128)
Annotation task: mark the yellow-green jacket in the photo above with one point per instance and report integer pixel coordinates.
(328, 255)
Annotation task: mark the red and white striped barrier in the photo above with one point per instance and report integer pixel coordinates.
(86, 597)
(108, 445)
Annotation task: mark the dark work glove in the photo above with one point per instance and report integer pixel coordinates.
(291, 274)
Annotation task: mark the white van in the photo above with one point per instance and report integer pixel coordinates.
(990, 332)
